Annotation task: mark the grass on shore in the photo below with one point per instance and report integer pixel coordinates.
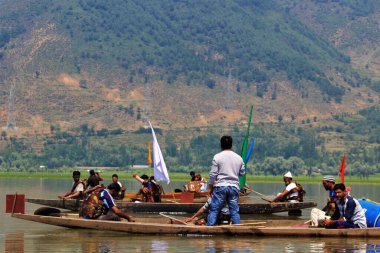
(176, 176)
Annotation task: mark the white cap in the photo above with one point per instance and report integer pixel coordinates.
(288, 174)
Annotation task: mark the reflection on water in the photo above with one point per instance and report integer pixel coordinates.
(24, 236)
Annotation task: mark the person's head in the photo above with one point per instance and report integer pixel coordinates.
(114, 188)
(144, 177)
(151, 178)
(192, 173)
(226, 142)
(115, 178)
(92, 172)
(76, 175)
(197, 177)
(340, 191)
(288, 178)
(328, 182)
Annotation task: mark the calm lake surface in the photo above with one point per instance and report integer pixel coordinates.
(24, 236)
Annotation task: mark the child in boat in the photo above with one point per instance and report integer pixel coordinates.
(77, 189)
(223, 217)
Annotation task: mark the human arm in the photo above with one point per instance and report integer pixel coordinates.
(99, 176)
(135, 176)
(198, 213)
(213, 172)
(280, 196)
(121, 214)
(72, 195)
(64, 195)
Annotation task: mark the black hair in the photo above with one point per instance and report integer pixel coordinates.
(76, 173)
(144, 177)
(192, 173)
(92, 172)
(226, 142)
(115, 175)
(114, 186)
(339, 187)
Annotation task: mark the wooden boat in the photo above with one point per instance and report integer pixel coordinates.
(199, 197)
(252, 228)
(245, 208)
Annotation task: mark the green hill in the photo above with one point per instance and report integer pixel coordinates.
(105, 63)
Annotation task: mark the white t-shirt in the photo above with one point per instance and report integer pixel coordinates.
(79, 188)
(289, 188)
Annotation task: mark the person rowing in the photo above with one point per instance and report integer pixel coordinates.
(293, 191)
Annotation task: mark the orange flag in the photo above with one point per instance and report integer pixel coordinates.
(341, 169)
(150, 162)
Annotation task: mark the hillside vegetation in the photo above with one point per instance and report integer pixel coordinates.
(88, 74)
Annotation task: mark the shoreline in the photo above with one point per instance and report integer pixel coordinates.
(127, 175)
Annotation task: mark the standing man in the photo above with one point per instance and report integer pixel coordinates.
(317, 215)
(350, 215)
(226, 168)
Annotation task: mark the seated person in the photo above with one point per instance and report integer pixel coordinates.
(349, 212)
(100, 204)
(93, 179)
(317, 215)
(292, 191)
(223, 217)
(77, 189)
(146, 189)
(121, 193)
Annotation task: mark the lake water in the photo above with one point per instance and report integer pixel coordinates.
(24, 236)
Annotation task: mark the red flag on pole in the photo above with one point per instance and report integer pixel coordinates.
(341, 169)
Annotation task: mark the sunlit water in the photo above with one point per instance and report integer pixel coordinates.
(24, 236)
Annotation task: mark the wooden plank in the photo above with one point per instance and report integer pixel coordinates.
(248, 208)
(160, 228)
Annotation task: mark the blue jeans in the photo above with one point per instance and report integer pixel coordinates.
(219, 196)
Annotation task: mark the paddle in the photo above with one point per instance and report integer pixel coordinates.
(173, 219)
(263, 197)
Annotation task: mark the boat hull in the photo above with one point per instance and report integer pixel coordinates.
(170, 229)
(245, 208)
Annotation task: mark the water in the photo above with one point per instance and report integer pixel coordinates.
(24, 236)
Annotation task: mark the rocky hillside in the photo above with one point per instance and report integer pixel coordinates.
(184, 63)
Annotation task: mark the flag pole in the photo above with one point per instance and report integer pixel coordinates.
(244, 150)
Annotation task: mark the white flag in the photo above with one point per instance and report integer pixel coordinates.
(160, 171)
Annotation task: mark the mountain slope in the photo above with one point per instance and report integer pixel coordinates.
(114, 64)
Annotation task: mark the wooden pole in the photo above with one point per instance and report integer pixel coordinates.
(14, 204)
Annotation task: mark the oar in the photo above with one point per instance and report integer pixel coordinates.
(250, 224)
(172, 218)
(263, 197)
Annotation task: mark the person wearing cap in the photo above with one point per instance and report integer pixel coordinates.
(318, 215)
(349, 213)
(291, 191)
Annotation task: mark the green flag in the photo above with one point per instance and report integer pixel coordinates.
(244, 149)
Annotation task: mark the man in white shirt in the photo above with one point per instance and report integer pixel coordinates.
(290, 193)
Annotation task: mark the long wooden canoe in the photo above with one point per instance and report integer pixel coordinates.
(245, 208)
(251, 229)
